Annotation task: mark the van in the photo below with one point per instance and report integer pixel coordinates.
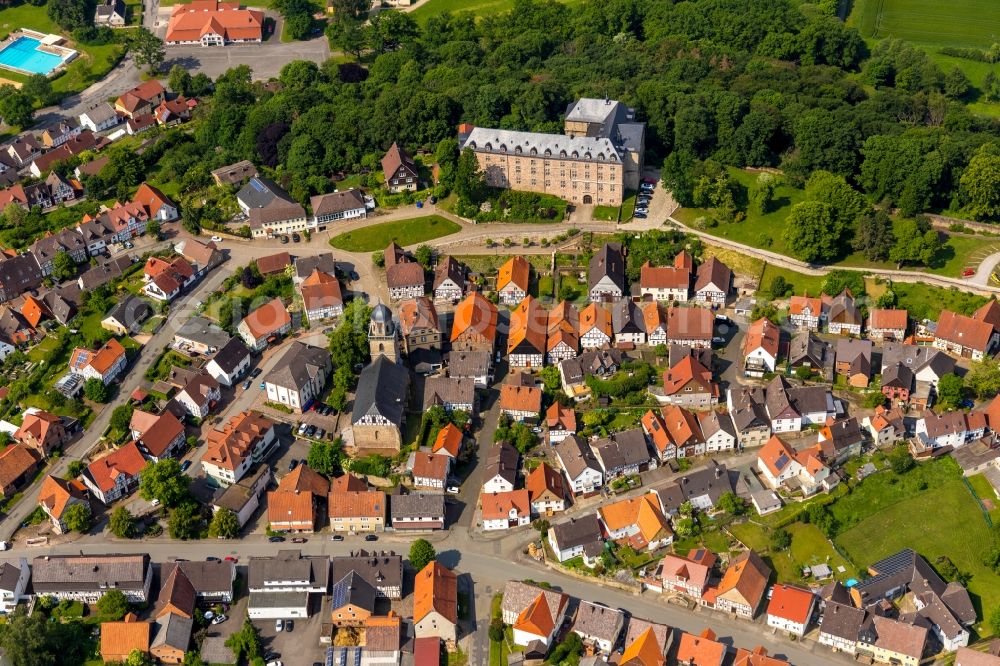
(5, 545)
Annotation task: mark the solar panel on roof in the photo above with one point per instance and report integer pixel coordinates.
(257, 185)
(781, 461)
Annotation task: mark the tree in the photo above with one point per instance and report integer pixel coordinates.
(38, 88)
(917, 242)
(75, 469)
(496, 630)
(846, 204)
(224, 525)
(983, 378)
(121, 418)
(731, 504)
(138, 658)
(121, 523)
(980, 183)
(147, 49)
(837, 281)
(424, 255)
(179, 80)
(35, 641)
(780, 540)
(874, 237)
(164, 481)
(949, 391)
(63, 266)
(96, 390)
(349, 341)
(378, 259)
(245, 643)
(153, 229)
(325, 457)
(762, 193)
(956, 85)
(185, 521)
(77, 518)
(16, 108)
(421, 554)
(812, 232)
(70, 14)
(780, 287)
(900, 460)
(112, 605)
(387, 30)
(470, 181)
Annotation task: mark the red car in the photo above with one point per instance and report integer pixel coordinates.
(230, 558)
(968, 272)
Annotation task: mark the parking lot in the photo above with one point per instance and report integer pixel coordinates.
(301, 646)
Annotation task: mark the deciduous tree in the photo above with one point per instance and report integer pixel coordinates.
(224, 525)
(164, 481)
(112, 605)
(421, 554)
(121, 523)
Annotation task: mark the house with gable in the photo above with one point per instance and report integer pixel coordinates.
(606, 276)
(843, 317)
(743, 586)
(760, 348)
(806, 312)
(713, 282)
(532, 612)
(513, 280)
(638, 522)
(580, 466)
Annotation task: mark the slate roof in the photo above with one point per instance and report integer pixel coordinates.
(502, 460)
(323, 262)
(336, 202)
(382, 388)
(623, 449)
(416, 505)
(299, 365)
(381, 570)
(355, 590)
(576, 456)
(230, 356)
(579, 531)
(130, 311)
(61, 573)
(204, 332)
(609, 262)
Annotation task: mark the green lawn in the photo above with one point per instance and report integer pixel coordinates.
(941, 521)
(801, 282)
(809, 547)
(922, 300)
(403, 232)
(607, 213)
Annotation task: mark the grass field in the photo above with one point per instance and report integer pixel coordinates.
(923, 300)
(809, 547)
(801, 283)
(403, 232)
(961, 23)
(950, 524)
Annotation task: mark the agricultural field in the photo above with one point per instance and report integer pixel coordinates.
(931, 24)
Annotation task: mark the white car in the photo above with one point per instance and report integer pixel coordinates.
(216, 239)
(279, 624)
(209, 615)
(454, 490)
(155, 502)
(274, 663)
(219, 619)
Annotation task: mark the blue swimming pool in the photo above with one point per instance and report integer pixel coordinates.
(23, 55)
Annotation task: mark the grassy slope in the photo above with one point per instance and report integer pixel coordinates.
(766, 232)
(403, 232)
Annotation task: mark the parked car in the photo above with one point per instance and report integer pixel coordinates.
(263, 386)
(296, 238)
(302, 428)
(289, 625)
(279, 624)
(284, 240)
(276, 539)
(4, 545)
(230, 558)
(299, 540)
(371, 537)
(219, 619)
(310, 431)
(292, 464)
(337, 537)
(319, 433)
(186, 465)
(454, 490)
(210, 558)
(354, 275)
(155, 502)
(246, 384)
(216, 239)
(641, 216)
(255, 373)
(274, 663)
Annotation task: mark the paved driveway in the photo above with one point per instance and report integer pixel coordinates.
(266, 59)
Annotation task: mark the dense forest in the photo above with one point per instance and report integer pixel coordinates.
(764, 83)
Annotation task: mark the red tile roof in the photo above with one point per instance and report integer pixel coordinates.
(790, 603)
(127, 461)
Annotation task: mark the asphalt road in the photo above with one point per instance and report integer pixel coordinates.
(134, 377)
(491, 564)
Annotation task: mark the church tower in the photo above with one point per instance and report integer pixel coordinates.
(382, 338)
